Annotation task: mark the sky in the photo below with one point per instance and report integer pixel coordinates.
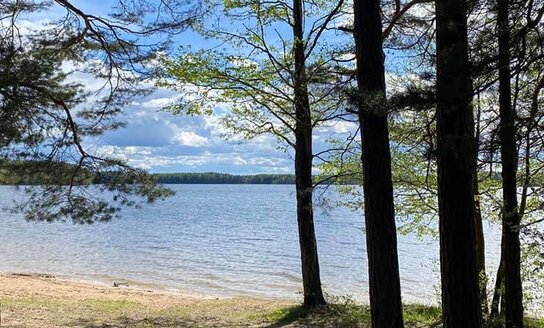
(162, 142)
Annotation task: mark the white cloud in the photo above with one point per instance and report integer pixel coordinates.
(190, 139)
(340, 127)
(157, 103)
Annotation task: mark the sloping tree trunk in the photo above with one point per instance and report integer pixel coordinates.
(460, 287)
(498, 290)
(480, 247)
(381, 234)
(313, 294)
(513, 294)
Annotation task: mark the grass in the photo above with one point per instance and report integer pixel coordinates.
(125, 312)
(112, 306)
(232, 311)
(529, 323)
(347, 314)
(534, 323)
(422, 316)
(31, 302)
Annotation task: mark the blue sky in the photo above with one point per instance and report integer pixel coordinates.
(162, 142)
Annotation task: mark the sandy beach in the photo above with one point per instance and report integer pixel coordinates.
(44, 301)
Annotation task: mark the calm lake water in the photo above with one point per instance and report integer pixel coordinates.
(217, 240)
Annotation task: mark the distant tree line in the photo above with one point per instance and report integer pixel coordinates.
(223, 178)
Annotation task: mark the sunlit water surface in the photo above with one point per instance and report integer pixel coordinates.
(217, 240)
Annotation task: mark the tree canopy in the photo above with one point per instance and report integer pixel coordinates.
(50, 115)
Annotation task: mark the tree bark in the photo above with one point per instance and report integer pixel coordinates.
(381, 234)
(497, 291)
(461, 305)
(513, 294)
(313, 294)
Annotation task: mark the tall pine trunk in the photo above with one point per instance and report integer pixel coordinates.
(313, 294)
(458, 262)
(381, 234)
(510, 215)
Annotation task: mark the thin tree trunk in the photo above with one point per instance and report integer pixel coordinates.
(461, 305)
(513, 294)
(313, 294)
(478, 224)
(480, 250)
(381, 234)
(497, 292)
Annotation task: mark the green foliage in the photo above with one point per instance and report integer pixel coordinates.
(46, 120)
(413, 138)
(40, 172)
(532, 269)
(422, 316)
(248, 80)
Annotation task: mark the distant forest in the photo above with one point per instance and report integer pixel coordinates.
(223, 178)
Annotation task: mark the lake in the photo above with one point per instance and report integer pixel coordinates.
(217, 240)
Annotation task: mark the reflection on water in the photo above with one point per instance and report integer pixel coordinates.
(218, 240)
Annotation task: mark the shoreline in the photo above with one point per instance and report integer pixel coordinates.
(114, 284)
(118, 283)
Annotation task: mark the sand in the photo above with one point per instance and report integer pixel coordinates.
(44, 301)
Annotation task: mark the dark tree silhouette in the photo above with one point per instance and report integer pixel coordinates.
(513, 292)
(381, 234)
(455, 147)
